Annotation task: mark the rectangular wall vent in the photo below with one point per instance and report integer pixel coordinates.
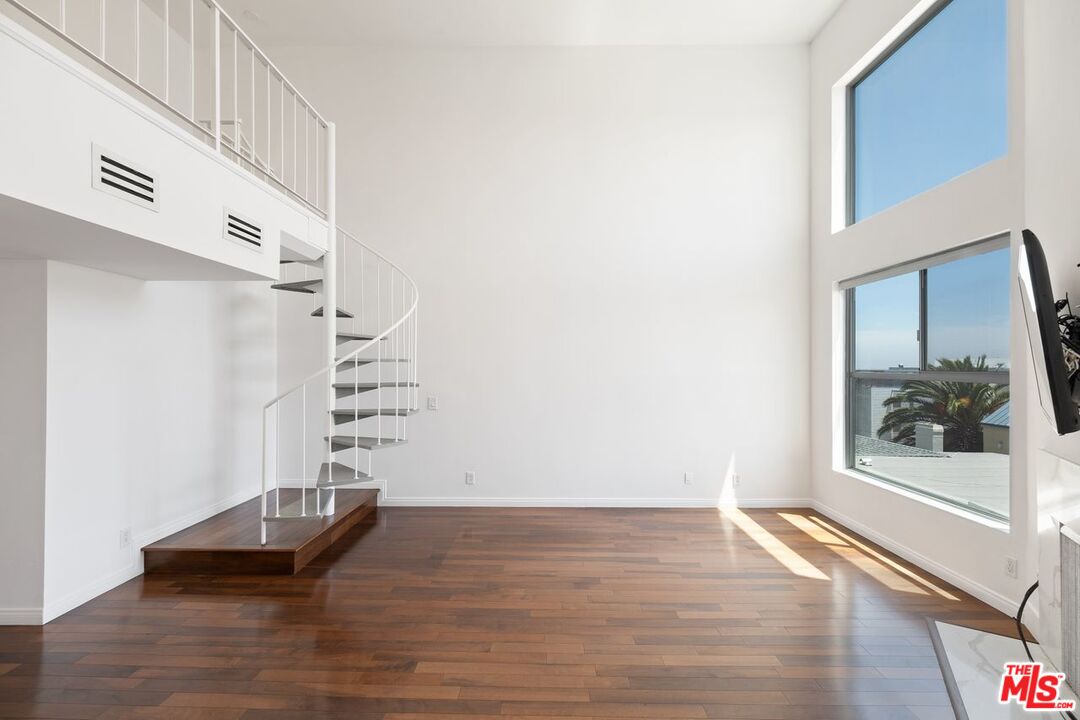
(122, 178)
(242, 230)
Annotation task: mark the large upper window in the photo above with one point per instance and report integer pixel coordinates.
(928, 378)
(932, 109)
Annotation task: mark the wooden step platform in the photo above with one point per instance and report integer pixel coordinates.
(228, 543)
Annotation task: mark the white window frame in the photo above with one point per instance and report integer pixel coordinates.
(999, 241)
(843, 135)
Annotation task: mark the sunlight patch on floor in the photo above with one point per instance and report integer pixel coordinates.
(886, 571)
(770, 544)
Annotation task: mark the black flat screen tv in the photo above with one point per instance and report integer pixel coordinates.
(1052, 373)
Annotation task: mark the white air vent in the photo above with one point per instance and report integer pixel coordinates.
(242, 230)
(120, 177)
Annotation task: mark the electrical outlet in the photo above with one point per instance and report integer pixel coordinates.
(125, 538)
(688, 478)
(470, 477)
(432, 402)
(735, 480)
(1011, 568)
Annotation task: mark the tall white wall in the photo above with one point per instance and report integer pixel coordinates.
(22, 440)
(981, 203)
(611, 250)
(155, 394)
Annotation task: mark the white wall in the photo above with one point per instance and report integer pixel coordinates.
(22, 440)
(978, 204)
(611, 250)
(155, 394)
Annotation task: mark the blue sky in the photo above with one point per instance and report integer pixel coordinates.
(934, 109)
(967, 314)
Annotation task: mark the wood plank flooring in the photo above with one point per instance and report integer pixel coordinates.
(526, 614)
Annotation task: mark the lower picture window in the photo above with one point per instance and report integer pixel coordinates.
(928, 378)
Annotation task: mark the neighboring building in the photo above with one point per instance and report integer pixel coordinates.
(870, 407)
(995, 429)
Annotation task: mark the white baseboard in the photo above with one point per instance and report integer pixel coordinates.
(20, 616)
(196, 516)
(590, 502)
(991, 597)
(88, 592)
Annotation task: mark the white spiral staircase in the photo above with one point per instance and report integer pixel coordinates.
(330, 425)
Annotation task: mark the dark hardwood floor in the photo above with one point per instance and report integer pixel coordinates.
(421, 614)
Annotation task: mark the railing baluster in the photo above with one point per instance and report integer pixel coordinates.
(165, 48)
(282, 130)
(307, 153)
(362, 321)
(236, 95)
(303, 450)
(262, 477)
(345, 276)
(356, 415)
(254, 124)
(397, 366)
(138, 41)
(101, 29)
(217, 66)
(379, 344)
(416, 355)
(63, 16)
(269, 159)
(295, 171)
(277, 461)
(217, 76)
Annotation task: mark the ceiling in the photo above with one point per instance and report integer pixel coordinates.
(441, 23)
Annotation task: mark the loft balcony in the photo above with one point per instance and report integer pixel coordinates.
(153, 138)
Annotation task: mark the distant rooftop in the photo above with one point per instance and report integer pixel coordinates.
(884, 448)
(979, 481)
(998, 418)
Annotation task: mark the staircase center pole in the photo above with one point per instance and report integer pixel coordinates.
(330, 305)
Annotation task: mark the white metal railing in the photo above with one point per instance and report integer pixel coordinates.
(191, 58)
(378, 393)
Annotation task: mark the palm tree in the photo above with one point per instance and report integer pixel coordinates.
(959, 407)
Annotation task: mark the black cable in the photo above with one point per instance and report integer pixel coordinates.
(1020, 630)
(1019, 619)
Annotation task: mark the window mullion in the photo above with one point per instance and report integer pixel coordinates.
(923, 324)
(849, 384)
